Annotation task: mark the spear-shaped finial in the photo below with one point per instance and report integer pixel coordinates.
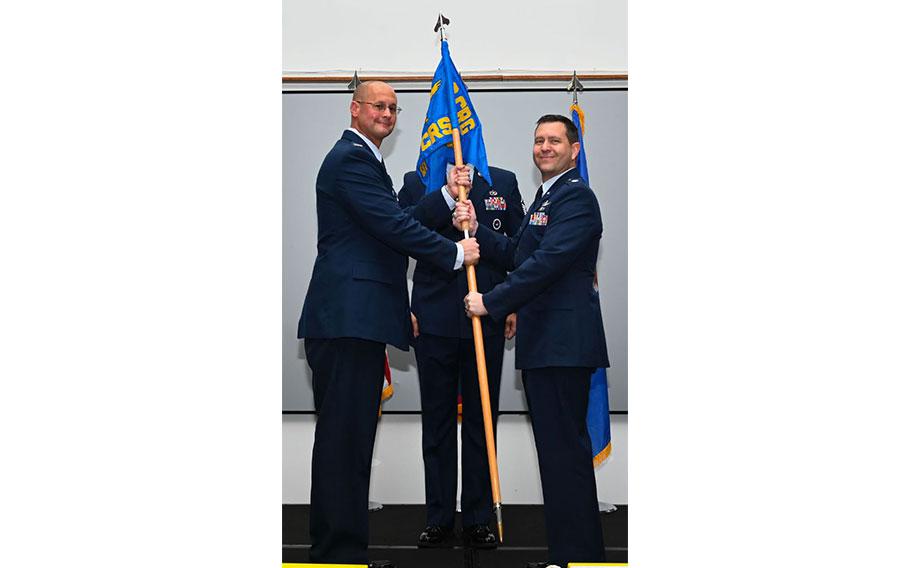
(575, 86)
(354, 82)
(441, 24)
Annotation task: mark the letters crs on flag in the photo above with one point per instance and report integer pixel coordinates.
(449, 101)
(598, 419)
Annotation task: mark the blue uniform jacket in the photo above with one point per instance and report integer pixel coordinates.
(553, 260)
(359, 282)
(437, 298)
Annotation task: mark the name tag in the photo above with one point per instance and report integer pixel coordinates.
(495, 203)
(540, 218)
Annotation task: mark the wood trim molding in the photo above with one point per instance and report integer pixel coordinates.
(465, 77)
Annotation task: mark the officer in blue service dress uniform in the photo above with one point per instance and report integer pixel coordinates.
(356, 303)
(560, 339)
(444, 348)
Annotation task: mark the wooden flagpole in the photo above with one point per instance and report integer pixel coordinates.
(478, 332)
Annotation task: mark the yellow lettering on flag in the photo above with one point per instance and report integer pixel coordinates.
(435, 131)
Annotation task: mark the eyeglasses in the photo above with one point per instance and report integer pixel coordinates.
(380, 107)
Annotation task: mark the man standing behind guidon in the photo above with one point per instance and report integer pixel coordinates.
(443, 342)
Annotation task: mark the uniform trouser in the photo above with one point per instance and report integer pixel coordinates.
(441, 362)
(347, 386)
(558, 404)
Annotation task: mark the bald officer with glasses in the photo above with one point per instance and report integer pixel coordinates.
(356, 304)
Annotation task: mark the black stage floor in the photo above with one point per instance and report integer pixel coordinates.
(394, 530)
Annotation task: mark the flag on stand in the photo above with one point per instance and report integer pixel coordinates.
(388, 390)
(449, 104)
(598, 396)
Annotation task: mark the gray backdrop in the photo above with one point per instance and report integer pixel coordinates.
(313, 121)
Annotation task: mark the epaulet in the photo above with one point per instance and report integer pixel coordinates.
(577, 182)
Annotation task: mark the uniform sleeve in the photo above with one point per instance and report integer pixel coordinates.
(496, 248)
(515, 212)
(431, 210)
(374, 207)
(574, 222)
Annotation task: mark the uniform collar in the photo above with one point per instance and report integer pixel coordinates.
(369, 144)
(550, 182)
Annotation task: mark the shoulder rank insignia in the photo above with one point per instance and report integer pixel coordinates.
(576, 180)
(356, 144)
(540, 219)
(495, 203)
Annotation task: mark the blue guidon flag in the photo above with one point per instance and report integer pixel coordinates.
(599, 395)
(449, 104)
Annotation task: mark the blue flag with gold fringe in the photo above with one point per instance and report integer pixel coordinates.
(599, 395)
(449, 104)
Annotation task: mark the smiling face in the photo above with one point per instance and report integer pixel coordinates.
(373, 124)
(553, 153)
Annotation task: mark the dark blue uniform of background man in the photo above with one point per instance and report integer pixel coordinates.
(560, 339)
(356, 303)
(444, 348)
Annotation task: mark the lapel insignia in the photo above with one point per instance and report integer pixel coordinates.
(545, 203)
(356, 144)
(493, 192)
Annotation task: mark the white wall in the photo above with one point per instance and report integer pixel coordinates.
(398, 476)
(343, 35)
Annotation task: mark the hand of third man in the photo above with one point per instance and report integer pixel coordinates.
(458, 177)
(464, 211)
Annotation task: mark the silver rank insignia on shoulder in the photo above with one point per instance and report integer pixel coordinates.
(576, 180)
(356, 144)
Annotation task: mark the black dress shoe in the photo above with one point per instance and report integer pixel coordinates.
(480, 536)
(381, 564)
(435, 537)
(538, 565)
